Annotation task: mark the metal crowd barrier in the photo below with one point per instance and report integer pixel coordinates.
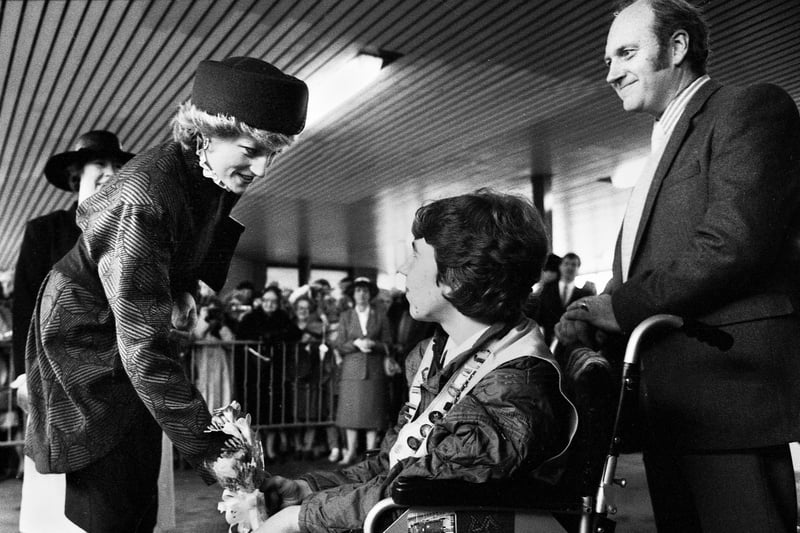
(283, 385)
(10, 418)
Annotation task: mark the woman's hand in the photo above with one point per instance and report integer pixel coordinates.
(184, 312)
(363, 344)
(21, 385)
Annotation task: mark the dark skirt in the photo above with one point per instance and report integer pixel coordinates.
(363, 403)
(119, 492)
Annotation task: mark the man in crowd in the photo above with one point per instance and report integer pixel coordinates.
(559, 293)
(709, 234)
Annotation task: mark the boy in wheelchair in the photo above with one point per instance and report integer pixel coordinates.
(486, 402)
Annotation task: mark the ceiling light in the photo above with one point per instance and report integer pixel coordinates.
(333, 86)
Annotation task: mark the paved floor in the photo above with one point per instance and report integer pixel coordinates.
(196, 503)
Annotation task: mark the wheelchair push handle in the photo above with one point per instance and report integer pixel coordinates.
(703, 332)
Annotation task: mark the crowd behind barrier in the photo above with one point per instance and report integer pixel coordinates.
(282, 385)
(288, 383)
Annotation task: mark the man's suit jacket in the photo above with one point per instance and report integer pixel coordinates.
(355, 363)
(718, 242)
(46, 240)
(551, 308)
(99, 354)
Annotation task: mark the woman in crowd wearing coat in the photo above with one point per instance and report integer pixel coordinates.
(363, 343)
(103, 374)
(212, 359)
(271, 326)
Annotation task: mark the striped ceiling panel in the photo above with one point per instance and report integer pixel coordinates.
(484, 93)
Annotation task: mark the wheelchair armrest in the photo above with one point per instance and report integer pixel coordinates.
(498, 494)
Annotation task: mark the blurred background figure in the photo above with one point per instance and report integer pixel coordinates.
(345, 300)
(364, 344)
(306, 370)
(406, 333)
(550, 272)
(239, 303)
(10, 420)
(557, 294)
(212, 362)
(270, 325)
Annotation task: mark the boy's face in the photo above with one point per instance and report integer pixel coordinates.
(425, 295)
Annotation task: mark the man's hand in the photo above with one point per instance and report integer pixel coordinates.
(595, 310)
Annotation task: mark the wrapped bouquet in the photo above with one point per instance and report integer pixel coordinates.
(239, 469)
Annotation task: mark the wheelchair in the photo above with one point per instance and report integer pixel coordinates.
(581, 501)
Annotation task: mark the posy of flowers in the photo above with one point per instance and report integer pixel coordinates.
(239, 469)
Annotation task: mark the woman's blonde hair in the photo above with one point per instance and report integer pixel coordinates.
(189, 122)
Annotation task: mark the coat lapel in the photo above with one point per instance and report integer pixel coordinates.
(668, 157)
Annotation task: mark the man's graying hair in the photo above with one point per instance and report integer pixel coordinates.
(673, 15)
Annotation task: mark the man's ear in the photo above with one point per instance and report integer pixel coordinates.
(679, 45)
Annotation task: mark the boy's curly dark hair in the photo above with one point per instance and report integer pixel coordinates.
(489, 247)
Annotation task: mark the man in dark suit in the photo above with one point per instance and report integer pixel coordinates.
(557, 294)
(708, 234)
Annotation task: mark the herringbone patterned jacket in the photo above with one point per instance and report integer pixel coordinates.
(99, 349)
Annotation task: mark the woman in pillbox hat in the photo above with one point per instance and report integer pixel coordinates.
(98, 408)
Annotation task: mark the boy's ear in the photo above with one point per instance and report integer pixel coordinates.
(446, 289)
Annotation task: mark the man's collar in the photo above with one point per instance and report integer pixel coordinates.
(678, 103)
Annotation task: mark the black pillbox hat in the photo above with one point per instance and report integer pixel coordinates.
(252, 91)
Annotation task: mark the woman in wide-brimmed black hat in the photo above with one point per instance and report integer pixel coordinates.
(104, 377)
(96, 154)
(95, 157)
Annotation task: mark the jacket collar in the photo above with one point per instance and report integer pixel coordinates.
(670, 152)
(495, 331)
